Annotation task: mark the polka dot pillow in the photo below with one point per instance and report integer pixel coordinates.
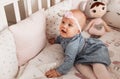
(53, 17)
(8, 58)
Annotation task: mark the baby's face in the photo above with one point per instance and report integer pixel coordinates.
(68, 28)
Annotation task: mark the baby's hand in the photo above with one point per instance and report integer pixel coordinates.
(52, 74)
(51, 41)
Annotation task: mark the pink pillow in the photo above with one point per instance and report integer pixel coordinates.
(29, 36)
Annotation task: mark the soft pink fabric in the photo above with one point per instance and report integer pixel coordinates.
(30, 36)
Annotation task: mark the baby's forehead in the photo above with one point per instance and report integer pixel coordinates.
(68, 20)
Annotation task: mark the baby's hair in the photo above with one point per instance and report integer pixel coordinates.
(96, 4)
(80, 16)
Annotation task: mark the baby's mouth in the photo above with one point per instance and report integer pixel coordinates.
(63, 31)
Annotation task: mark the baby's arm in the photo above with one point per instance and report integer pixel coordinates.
(63, 68)
(70, 54)
(52, 73)
(54, 40)
(51, 40)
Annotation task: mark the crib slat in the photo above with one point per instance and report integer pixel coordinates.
(56, 1)
(3, 21)
(48, 3)
(39, 4)
(7, 2)
(17, 12)
(28, 7)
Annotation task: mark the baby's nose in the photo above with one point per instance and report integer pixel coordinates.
(65, 25)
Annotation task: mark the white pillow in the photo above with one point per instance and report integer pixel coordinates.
(112, 17)
(30, 36)
(50, 57)
(8, 58)
(53, 19)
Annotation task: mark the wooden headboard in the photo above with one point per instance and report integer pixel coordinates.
(27, 7)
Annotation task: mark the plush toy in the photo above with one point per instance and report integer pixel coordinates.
(94, 10)
(112, 17)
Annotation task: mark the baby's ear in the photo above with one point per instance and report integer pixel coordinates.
(83, 5)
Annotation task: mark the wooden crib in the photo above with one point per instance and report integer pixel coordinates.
(27, 7)
(112, 39)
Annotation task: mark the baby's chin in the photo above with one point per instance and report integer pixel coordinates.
(66, 36)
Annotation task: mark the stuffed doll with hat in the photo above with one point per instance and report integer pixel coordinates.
(94, 10)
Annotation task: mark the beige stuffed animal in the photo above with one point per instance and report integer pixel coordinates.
(94, 10)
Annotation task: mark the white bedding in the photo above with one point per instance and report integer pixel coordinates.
(8, 59)
(52, 56)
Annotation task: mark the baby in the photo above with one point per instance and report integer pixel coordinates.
(89, 56)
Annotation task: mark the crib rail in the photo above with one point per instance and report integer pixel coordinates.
(3, 3)
(27, 6)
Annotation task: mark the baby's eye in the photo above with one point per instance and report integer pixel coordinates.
(63, 22)
(70, 25)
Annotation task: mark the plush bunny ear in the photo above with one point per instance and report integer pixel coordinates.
(106, 1)
(83, 5)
